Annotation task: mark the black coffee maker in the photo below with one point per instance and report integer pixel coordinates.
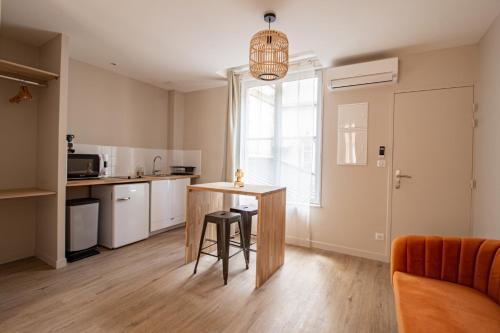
(69, 138)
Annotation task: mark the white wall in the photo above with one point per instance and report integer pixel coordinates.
(109, 109)
(486, 212)
(175, 120)
(355, 200)
(205, 129)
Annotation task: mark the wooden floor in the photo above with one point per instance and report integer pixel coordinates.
(146, 287)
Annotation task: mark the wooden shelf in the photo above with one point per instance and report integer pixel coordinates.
(24, 193)
(23, 72)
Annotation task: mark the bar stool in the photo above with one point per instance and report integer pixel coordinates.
(246, 211)
(223, 221)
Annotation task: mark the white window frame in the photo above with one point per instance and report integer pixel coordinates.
(318, 141)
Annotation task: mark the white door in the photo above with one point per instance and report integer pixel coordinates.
(433, 145)
(179, 199)
(131, 213)
(161, 204)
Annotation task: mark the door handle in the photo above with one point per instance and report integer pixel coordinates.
(123, 199)
(399, 175)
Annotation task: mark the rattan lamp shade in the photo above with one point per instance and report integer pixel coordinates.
(269, 55)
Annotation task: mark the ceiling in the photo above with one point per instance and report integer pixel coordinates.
(183, 44)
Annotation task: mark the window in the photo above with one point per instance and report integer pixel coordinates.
(280, 131)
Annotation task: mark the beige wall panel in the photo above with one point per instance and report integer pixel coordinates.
(17, 229)
(354, 198)
(205, 129)
(438, 69)
(110, 109)
(18, 137)
(175, 120)
(486, 215)
(51, 149)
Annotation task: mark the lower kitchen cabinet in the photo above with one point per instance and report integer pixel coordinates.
(168, 203)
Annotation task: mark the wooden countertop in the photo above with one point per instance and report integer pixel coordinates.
(24, 193)
(120, 180)
(229, 188)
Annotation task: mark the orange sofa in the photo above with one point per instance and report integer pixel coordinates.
(446, 284)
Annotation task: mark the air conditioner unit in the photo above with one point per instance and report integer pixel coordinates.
(372, 72)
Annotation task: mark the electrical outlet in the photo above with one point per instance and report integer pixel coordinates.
(379, 236)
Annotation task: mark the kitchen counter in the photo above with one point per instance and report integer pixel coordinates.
(120, 180)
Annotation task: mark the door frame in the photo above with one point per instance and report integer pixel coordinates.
(390, 168)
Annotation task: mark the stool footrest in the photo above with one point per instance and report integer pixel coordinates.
(212, 243)
(239, 244)
(237, 252)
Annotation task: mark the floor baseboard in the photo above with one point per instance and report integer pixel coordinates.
(336, 248)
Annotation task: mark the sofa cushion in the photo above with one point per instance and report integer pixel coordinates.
(429, 305)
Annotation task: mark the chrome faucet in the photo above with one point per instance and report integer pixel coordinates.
(156, 171)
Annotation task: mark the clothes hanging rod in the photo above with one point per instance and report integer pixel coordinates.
(31, 83)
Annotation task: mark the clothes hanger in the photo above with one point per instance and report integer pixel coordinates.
(23, 94)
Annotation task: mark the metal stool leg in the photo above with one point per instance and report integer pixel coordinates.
(202, 239)
(243, 237)
(225, 257)
(247, 226)
(219, 242)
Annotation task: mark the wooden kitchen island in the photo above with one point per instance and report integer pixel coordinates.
(208, 198)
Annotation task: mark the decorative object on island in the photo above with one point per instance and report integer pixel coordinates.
(269, 52)
(239, 175)
(23, 94)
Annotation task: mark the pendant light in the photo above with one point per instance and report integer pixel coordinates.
(22, 95)
(269, 52)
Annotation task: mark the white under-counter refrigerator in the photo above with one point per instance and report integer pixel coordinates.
(123, 213)
(168, 203)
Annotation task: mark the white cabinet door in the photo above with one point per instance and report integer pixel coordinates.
(179, 196)
(168, 203)
(130, 222)
(161, 204)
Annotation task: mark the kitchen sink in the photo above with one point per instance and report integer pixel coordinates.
(128, 177)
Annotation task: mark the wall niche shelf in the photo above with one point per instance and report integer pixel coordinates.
(24, 193)
(17, 72)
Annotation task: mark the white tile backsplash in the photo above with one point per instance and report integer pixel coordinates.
(124, 161)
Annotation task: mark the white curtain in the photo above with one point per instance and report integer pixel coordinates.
(233, 126)
(232, 135)
(279, 128)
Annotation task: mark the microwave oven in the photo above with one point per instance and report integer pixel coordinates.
(83, 166)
